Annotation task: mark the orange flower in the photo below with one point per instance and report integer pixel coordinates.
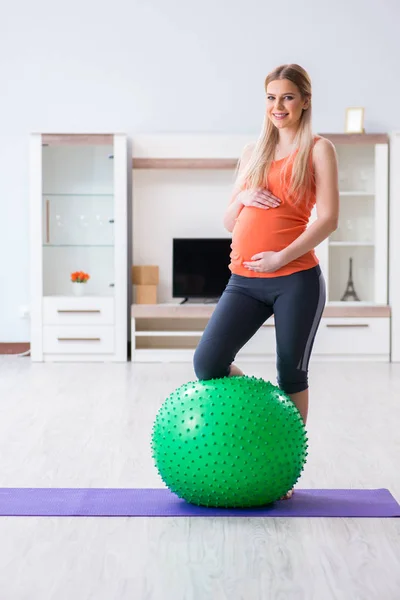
(80, 277)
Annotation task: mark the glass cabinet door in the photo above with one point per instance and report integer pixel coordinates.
(352, 245)
(357, 261)
(78, 213)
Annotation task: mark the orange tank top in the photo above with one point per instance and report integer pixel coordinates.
(259, 230)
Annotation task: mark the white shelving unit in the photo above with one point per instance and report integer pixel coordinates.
(362, 234)
(78, 202)
(160, 332)
(394, 264)
(355, 330)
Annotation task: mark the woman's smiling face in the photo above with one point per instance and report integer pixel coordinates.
(285, 104)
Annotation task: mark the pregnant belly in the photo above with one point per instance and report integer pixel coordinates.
(257, 230)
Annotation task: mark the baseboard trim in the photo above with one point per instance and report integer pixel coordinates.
(14, 347)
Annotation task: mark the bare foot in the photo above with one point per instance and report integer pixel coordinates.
(288, 495)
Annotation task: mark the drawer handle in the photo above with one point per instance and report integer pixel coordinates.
(348, 325)
(47, 221)
(268, 325)
(78, 311)
(71, 339)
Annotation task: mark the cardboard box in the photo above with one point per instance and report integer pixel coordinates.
(145, 275)
(146, 294)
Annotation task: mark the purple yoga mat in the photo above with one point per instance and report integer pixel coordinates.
(91, 502)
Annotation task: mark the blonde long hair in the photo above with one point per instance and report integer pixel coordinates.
(255, 173)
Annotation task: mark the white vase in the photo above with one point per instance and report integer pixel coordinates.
(78, 289)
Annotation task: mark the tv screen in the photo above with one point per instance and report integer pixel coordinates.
(200, 267)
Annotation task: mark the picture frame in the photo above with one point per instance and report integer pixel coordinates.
(354, 120)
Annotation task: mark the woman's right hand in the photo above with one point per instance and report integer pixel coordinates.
(260, 198)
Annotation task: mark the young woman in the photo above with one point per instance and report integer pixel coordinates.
(274, 267)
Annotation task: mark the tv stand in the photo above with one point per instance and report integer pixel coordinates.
(199, 301)
(170, 332)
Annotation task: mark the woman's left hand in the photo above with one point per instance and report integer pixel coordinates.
(264, 262)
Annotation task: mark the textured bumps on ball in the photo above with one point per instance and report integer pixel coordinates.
(229, 442)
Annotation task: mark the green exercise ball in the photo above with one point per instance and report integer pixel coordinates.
(230, 442)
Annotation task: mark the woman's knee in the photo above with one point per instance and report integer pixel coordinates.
(206, 365)
(291, 379)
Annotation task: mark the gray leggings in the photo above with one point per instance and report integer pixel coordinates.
(296, 301)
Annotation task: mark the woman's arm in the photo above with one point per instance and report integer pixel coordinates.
(235, 205)
(258, 197)
(327, 203)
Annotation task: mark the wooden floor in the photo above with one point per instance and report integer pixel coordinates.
(88, 425)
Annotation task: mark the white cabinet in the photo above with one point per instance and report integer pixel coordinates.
(355, 337)
(338, 338)
(394, 232)
(171, 332)
(78, 202)
(78, 340)
(355, 257)
(64, 310)
(358, 328)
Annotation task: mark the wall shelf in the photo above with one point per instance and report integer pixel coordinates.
(185, 163)
(223, 163)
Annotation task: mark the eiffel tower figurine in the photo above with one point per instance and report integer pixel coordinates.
(350, 293)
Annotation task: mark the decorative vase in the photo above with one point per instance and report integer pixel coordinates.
(78, 289)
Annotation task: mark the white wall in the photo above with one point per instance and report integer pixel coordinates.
(179, 203)
(175, 203)
(143, 66)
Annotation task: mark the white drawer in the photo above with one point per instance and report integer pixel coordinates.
(353, 335)
(78, 339)
(336, 336)
(262, 342)
(65, 310)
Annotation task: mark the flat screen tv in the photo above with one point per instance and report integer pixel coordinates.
(200, 267)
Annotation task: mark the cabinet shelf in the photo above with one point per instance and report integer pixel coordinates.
(78, 195)
(357, 194)
(88, 296)
(352, 244)
(164, 333)
(168, 310)
(78, 245)
(185, 163)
